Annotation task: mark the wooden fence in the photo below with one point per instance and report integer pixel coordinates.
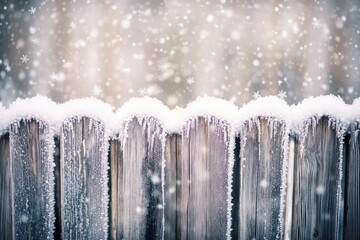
(207, 182)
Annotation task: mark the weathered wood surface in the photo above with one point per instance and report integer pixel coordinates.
(33, 180)
(5, 189)
(316, 179)
(143, 205)
(57, 232)
(172, 186)
(117, 190)
(84, 186)
(261, 161)
(352, 188)
(204, 183)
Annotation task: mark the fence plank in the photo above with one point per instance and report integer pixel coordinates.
(5, 189)
(33, 180)
(352, 199)
(261, 179)
(117, 192)
(205, 161)
(84, 189)
(316, 177)
(142, 179)
(172, 186)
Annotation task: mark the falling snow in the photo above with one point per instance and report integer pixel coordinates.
(230, 49)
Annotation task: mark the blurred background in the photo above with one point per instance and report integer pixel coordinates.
(177, 50)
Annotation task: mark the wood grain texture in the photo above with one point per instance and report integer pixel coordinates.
(5, 189)
(204, 185)
(84, 186)
(352, 189)
(316, 178)
(143, 205)
(261, 157)
(32, 176)
(117, 192)
(172, 186)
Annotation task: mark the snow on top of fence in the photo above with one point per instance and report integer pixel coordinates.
(328, 105)
(210, 106)
(42, 108)
(39, 107)
(88, 107)
(270, 106)
(142, 107)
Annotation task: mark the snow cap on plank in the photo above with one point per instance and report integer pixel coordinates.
(88, 107)
(328, 105)
(142, 107)
(39, 108)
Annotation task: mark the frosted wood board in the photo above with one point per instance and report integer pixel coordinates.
(84, 180)
(316, 179)
(31, 145)
(204, 179)
(261, 162)
(172, 186)
(142, 180)
(117, 192)
(5, 189)
(352, 189)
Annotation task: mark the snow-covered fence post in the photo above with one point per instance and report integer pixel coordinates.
(84, 180)
(318, 186)
(263, 151)
(352, 189)
(5, 189)
(204, 179)
(31, 156)
(143, 205)
(172, 186)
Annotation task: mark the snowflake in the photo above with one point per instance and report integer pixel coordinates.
(282, 95)
(54, 76)
(190, 80)
(96, 91)
(142, 91)
(35, 41)
(316, 23)
(72, 25)
(7, 68)
(321, 65)
(24, 58)
(32, 10)
(163, 67)
(256, 95)
(188, 11)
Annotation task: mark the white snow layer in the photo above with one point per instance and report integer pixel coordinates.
(43, 109)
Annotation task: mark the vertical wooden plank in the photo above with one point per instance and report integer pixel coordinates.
(142, 179)
(262, 158)
(205, 163)
(84, 193)
(31, 149)
(5, 189)
(117, 192)
(172, 186)
(57, 232)
(352, 189)
(316, 179)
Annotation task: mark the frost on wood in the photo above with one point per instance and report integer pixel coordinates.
(84, 184)
(318, 190)
(143, 151)
(263, 158)
(32, 146)
(205, 184)
(5, 189)
(352, 199)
